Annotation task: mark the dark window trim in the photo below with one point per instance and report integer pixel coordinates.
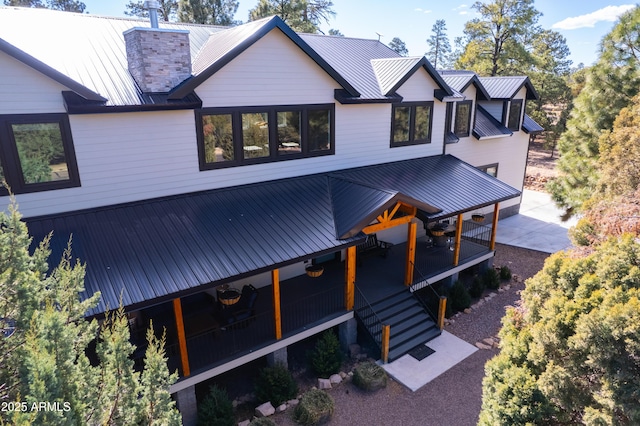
(412, 122)
(271, 110)
(468, 132)
(10, 159)
(514, 102)
(505, 112)
(488, 166)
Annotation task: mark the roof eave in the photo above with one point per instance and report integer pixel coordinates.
(191, 83)
(346, 99)
(424, 63)
(50, 72)
(76, 105)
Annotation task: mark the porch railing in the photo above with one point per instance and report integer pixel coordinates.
(476, 233)
(428, 297)
(367, 316)
(302, 312)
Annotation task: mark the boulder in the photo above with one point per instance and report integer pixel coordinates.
(244, 423)
(335, 379)
(324, 384)
(280, 408)
(265, 410)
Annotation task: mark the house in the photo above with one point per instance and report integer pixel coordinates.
(187, 161)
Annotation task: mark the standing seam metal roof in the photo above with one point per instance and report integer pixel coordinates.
(152, 251)
(487, 127)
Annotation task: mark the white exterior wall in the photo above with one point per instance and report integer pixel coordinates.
(124, 157)
(24, 90)
(510, 153)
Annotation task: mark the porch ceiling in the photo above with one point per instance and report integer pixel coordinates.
(151, 251)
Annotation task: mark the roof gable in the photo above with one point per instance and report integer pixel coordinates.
(461, 80)
(392, 73)
(223, 47)
(506, 87)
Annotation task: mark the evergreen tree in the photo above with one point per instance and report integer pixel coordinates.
(64, 5)
(496, 43)
(439, 53)
(211, 12)
(301, 15)
(398, 46)
(570, 353)
(168, 9)
(610, 86)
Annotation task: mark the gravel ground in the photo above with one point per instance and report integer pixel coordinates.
(452, 399)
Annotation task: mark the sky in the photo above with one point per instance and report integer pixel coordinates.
(582, 22)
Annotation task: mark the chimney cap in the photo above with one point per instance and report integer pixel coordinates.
(151, 4)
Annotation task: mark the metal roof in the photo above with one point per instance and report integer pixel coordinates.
(88, 49)
(487, 127)
(506, 87)
(390, 71)
(151, 251)
(529, 125)
(461, 80)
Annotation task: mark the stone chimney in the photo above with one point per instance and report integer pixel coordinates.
(159, 59)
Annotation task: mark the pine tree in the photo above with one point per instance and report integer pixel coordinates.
(398, 46)
(301, 15)
(168, 9)
(211, 12)
(439, 53)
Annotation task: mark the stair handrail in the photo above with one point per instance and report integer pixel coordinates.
(377, 322)
(420, 300)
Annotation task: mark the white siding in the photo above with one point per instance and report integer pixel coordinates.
(510, 153)
(26, 91)
(273, 71)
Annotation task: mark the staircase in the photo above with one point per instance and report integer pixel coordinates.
(410, 323)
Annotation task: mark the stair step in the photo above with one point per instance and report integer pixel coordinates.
(407, 320)
(391, 300)
(391, 309)
(406, 346)
(398, 338)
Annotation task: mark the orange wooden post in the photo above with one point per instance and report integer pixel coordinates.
(456, 247)
(442, 308)
(411, 251)
(350, 278)
(277, 320)
(182, 340)
(494, 226)
(386, 332)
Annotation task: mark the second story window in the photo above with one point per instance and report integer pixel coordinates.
(515, 113)
(37, 153)
(411, 123)
(239, 136)
(463, 119)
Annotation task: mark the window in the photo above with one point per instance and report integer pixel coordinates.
(238, 136)
(37, 153)
(490, 169)
(463, 119)
(411, 123)
(515, 111)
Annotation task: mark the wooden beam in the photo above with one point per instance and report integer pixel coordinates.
(386, 225)
(182, 340)
(494, 226)
(350, 278)
(411, 252)
(456, 247)
(386, 332)
(442, 309)
(277, 320)
(394, 210)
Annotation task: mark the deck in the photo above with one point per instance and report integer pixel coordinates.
(305, 302)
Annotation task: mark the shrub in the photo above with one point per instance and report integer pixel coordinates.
(262, 421)
(326, 357)
(216, 409)
(316, 406)
(477, 287)
(275, 384)
(459, 298)
(505, 273)
(369, 376)
(491, 279)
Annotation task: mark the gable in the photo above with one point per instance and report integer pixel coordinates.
(25, 90)
(272, 71)
(418, 87)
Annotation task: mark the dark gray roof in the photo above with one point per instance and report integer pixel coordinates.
(487, 127)
(506, 87)
(450, 137)
(460, 80)
(151, 251)
(529, 125)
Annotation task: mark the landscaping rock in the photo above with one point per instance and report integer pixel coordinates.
(354, 350)
(489, 341)
(324, 384)
(480, 345)
(343, 375)
(293, 402)
(467, 311)
(244, 423)
(280, 408)
(335, 379)
(265, 410)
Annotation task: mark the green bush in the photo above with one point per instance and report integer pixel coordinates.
(477, 287)
(491, 279)
(369, 376)
(315, 407)
(326, 357)
(216, 409)
(505, 273)
(275, 384)
(262, 421)
(459, 298)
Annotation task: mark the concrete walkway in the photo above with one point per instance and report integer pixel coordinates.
(538, 226)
